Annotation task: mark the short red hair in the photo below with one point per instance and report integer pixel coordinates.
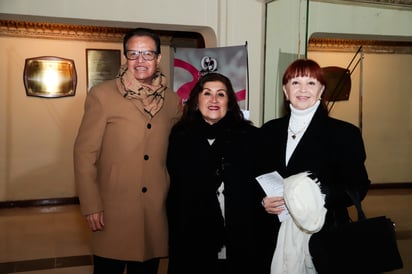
(304, 67)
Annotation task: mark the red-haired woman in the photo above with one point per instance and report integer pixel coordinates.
(307, 139)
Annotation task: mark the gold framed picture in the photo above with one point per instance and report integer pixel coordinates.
(102, 65)
(50, 77)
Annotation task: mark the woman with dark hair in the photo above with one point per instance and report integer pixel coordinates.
(307, 139)
(213, 203)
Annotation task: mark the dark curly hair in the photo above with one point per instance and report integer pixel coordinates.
(190, 109)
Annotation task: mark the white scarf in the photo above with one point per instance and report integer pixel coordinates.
(305, 203)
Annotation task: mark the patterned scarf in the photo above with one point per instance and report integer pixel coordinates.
(151, 96)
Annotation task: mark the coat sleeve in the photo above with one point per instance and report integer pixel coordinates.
(86, 153)
(355, 156)
(350, 171)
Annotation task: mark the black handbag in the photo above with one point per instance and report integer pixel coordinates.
(366, 246)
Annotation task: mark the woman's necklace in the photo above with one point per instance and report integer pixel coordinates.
(295, 133)
(300, 120)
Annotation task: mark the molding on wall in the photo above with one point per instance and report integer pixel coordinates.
(38, 265)
(44, 30)
(40, 202)
(403, 4)
(60, 31)
(352, 45)
(393, 186)
(399, 3)
(404, 185)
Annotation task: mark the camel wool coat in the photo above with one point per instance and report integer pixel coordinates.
(120, 169)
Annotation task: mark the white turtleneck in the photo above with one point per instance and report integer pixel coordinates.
(298, 123)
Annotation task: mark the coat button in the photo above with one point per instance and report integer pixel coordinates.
(146, 157)
(144, 189)
(149, 125)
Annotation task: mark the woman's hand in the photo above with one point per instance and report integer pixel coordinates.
(95, 221)
(273, 205)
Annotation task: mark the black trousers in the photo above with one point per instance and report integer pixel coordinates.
(111, 266)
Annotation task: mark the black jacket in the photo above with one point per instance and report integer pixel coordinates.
(332, 150)
(197, 229)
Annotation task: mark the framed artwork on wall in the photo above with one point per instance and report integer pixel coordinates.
(49, 77)
(102, 65)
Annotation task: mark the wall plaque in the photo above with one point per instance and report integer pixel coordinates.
(102, 65)
(50, 77)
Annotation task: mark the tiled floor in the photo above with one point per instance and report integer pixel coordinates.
(55, 239)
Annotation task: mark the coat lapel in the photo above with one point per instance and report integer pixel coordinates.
(309, 144)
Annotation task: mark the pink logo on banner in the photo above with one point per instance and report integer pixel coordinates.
(192, 63)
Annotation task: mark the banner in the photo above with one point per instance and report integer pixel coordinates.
(192, 63)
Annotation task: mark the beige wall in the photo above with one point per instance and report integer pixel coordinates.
(36, 135)
(288, 21)
(386, 117)
(381, 102)
(222, 22)
(385, 82)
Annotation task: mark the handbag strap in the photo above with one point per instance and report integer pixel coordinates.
(354, 195)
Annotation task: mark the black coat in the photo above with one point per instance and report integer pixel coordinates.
(332, 150)
(197, 229)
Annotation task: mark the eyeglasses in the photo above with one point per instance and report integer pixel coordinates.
(148, 55)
